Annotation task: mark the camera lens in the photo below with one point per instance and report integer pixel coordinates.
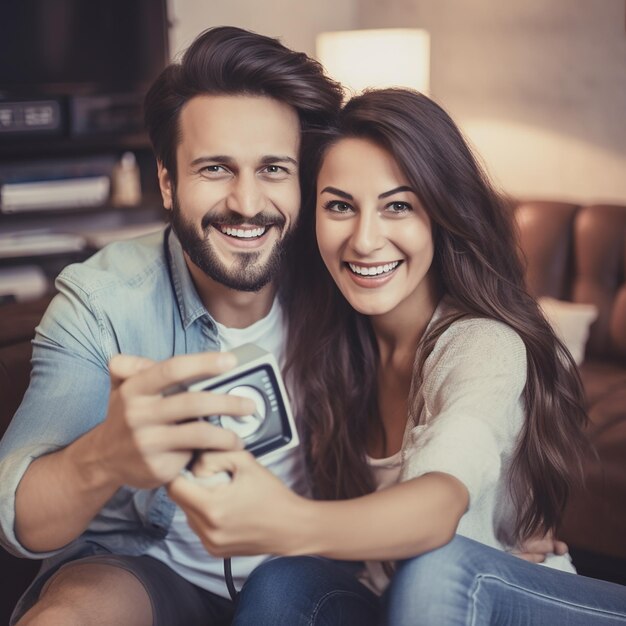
(246, 425)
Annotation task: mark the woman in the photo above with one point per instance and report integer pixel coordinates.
(435, 399)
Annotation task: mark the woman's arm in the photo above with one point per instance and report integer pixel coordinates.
(256, 514)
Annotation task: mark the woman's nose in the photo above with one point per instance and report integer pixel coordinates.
(367, 236)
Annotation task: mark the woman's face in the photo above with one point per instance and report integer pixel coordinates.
(373, 234)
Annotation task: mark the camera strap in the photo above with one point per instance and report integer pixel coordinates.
(228, 575)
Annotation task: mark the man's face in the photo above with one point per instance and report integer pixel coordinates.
(237, 195)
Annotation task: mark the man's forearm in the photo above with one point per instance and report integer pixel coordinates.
(60, 494)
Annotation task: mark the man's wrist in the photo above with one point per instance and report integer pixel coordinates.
(87, 459)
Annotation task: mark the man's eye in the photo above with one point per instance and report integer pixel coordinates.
(213, 169)
(275, 169)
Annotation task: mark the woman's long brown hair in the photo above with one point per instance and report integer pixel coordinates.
(332, 354)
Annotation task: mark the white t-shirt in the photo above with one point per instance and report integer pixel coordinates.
(181, 549)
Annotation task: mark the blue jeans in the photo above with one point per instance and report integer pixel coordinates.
(305, 591)
(468, 583)
(463, 583)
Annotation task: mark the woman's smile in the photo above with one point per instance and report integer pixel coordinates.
(372, 276)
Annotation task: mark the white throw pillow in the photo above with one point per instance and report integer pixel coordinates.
(570, 321)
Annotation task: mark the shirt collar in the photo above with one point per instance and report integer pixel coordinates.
(189, 303)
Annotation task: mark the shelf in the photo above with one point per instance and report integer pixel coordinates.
(59, 145)
(151, 201)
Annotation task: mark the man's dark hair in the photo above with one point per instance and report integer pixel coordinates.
(231, 61)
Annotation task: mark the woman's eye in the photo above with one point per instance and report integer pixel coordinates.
(336, 206)
(399, 207)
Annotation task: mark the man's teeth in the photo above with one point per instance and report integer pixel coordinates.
(243, 234)
(374, 270)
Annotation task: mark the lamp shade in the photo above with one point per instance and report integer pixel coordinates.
(391, 57)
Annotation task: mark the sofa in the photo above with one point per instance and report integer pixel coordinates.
(575, 254)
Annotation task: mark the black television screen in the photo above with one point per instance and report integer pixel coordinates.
(81, 46)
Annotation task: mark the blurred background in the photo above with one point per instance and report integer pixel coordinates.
(538, 87)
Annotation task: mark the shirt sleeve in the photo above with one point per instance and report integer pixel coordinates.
(473, 405)
(67, 395)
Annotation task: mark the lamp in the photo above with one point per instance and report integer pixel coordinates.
(390, 57)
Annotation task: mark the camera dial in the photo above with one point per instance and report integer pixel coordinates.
(248, 424)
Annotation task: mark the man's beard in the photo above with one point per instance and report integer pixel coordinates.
(245, 274)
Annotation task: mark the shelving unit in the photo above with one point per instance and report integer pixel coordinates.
(49, 239)
(73, 101)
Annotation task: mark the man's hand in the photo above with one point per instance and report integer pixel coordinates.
(536, 549)
(142, 441)
(253, 513)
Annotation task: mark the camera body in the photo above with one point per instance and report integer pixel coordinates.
(271, 428)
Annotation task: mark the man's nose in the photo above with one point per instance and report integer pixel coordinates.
(368, 234)
(246, 195)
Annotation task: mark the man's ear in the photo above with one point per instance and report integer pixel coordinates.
(165, 184)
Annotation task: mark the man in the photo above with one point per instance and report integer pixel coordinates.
(83, 464)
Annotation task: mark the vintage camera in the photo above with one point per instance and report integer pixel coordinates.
(271, 427)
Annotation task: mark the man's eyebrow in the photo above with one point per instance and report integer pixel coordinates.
(396, 190)
(216, 158)
(267, 160)
(337, 192)
(228, 160)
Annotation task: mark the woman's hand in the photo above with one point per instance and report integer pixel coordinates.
(253, 513)
(536, 549)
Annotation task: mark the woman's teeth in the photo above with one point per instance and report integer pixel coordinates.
(241, 233)
(374, 270)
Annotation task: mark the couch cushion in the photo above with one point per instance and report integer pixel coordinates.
(570, 321)
(545, 232)
(600, 379)
(595, 519)
(600, 276)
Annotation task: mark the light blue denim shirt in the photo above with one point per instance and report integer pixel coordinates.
(132, 297)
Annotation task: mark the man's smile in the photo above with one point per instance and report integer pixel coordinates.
(244, 236)
(243, 233)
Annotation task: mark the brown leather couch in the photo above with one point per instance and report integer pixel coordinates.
(575, 253)
(578, 253)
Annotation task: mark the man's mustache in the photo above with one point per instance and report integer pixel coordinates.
(232, 218)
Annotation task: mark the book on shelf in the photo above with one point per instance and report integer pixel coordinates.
(55, 184)
(39, 243)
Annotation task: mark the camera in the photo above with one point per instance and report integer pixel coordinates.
(271, 428)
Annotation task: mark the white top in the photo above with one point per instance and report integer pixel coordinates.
(464, 420)
(182, 550)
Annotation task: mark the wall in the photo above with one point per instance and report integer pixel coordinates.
(294, 22)
(538, 86)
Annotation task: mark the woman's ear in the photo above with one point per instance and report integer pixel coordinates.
(165, 184)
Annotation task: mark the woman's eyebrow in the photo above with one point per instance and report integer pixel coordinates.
(337, 192)
(396, 190)
(347, 196)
